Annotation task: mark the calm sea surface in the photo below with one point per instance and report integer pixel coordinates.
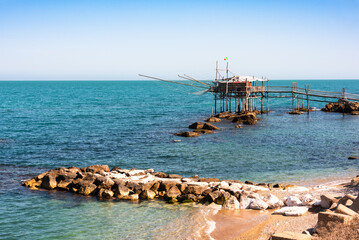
(44, 125)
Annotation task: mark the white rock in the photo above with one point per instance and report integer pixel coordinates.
(231, 203)
(258, 204)
(291, 211)
(187, 180)
(254, 195)
(197, 184)
(297, 189)
(118, 175)
(136, 172)
(213, 184)
(235, 187)
(150, 170)
(223, 185)
(307, 199)
(292, 201)
(273, 201)
(244, 202)
(252, 188)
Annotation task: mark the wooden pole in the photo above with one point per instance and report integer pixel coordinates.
(307, 93)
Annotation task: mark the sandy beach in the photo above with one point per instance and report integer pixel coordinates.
(262, 224)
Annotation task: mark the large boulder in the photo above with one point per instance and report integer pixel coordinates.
(147, 195)
(327, 200)
(195, 189)
(328, 220)
(345, 210)
(196, 125)
(105, 194)
(355, 205)
(293, 201)
(231, 203)
(88, 189)
(209, 126)
(173, 192)
(249, 118)
(258, 204)
(121, 191)
(273, 202)
(96, 168)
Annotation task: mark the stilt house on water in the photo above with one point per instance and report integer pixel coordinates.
(238, 93)
(248, 93)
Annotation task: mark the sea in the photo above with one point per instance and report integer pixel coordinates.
(130, 124)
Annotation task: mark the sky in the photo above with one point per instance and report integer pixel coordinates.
(117, 40)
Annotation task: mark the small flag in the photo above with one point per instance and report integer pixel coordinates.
(226, 58)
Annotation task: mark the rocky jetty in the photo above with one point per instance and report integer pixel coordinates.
(342, 106)
(99, 181)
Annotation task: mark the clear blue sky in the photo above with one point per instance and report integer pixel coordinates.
(292, 39)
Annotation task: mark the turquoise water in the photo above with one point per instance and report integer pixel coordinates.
(44, 125)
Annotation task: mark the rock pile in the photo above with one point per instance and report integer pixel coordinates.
(98, 180)
(249, 118)
(342, 106)
(335, 213)
(199, 128)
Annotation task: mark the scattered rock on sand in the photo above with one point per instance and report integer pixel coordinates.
(327, 200)
(290, 236)
(291, 211)
(292, 201)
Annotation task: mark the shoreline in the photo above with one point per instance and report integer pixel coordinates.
(239, 224)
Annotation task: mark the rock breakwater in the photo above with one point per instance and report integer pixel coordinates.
(124, 184)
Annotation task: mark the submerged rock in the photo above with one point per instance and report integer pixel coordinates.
(188, 134)
(213, 119)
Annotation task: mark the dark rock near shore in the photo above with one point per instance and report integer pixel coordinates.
(353, 157)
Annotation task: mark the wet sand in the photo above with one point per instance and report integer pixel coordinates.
(231, 223)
